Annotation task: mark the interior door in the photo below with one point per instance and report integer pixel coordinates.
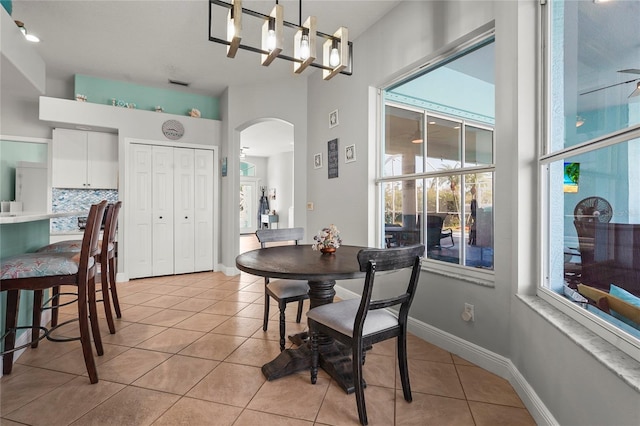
(248, 205)
(162, 247)
(203, 210)
(140, 238)
(184, 210)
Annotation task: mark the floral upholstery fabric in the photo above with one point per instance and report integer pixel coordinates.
(30, 265)
(62, 246)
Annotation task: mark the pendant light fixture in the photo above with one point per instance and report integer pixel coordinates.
(417, 136)
(273, 35)
(336, 53)
(234, 28)
(304, 44)
(337, 50)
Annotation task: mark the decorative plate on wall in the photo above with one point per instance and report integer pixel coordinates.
(172, 129)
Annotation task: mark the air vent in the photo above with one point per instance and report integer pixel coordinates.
(179, 83)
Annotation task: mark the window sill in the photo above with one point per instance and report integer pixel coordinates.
(461, 273)
(617, 361)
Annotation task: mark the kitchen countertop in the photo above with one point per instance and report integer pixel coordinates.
(22, 217)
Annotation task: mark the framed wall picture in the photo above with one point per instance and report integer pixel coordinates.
(333, 119)
(332, 158)
(317, 161)
(350, 153)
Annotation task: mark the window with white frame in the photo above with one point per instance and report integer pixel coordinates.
(437, 159)
(590, 165)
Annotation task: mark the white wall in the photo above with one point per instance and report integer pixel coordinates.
(241, 106)
(567, 379)
(281, 178)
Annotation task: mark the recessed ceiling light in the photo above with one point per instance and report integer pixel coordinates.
(30, 37)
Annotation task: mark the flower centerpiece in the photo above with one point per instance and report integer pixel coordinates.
(327, 240)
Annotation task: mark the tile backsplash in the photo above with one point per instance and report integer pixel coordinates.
(65, 200)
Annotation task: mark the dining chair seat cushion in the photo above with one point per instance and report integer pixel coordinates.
(32, 265)
(341, 316)
(284, 289)
(61, 247)
(67, 246)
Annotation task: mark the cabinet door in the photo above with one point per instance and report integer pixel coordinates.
(102, 163)
(203, 210)
(139, 234)
(162, 202)
(69, 151)
(183, 203)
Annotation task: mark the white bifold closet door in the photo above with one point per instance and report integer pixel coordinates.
(172, 204)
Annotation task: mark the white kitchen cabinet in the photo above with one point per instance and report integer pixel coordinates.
(84, 160)
(171, 204)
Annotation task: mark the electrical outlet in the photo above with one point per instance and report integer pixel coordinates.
(469, 313)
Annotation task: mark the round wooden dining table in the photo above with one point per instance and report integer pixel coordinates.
(300, 262)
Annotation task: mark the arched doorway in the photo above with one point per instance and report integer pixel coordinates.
(266, 167)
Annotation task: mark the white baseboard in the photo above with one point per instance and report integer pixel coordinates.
(229, 271)
(481, 357)
(25, 337)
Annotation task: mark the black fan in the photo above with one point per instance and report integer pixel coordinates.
(593, 209)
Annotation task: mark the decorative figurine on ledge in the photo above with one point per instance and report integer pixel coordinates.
(195, 113)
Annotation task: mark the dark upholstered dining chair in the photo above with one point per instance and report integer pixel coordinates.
(435, 232)
(41, 271)
(106, 258)
(283, 291)
(360, 323)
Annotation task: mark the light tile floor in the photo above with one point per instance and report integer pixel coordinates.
(189, 348)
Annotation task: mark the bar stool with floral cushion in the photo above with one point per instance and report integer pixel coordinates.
(106, 258)
(41, 271)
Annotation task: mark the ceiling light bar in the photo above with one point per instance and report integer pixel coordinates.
(233, 40)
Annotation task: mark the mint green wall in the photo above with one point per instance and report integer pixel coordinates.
(19, 237)
(7, 4)
(101, 91)
(10, 153)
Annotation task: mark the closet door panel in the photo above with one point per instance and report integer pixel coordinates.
(203, 200)
(139, 233)
(184, 208)
(163, 218)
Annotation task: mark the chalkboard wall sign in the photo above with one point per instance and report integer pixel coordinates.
(332, 158)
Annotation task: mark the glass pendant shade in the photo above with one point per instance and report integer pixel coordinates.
(304, 45)
(273, 35)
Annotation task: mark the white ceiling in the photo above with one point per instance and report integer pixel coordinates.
(148, 42)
